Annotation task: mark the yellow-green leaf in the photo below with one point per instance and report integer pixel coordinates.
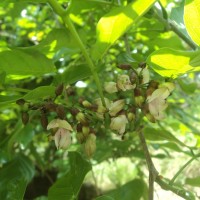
(172, 63)
(114, 24)
(192, 19)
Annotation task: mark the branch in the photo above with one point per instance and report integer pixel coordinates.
(154, 175)
(170, 25)
(68, 24)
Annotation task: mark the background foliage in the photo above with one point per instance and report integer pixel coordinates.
(39, 51)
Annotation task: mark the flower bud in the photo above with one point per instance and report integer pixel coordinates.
(86, 104)
(119, 123)
(44, 120)
(80, 137)
(90, 145)
(116, 107)
(124, 66)
(25, 117)
(20, 102)
(59, 123)
(85, 131)
(81, 118)
(59, 89)
(60, 110)
(124, 83)
(131, 117)
(62, 138)
(139, 99)
(110, 87)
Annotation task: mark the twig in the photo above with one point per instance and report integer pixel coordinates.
(153, 173)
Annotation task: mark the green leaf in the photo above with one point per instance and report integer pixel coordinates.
(114, 24)
(161, 135)
(40, 92)
(19, 1)
(188, 88)
(192, 19)
(172, 63)
(104, 197)
(132, 190)
(78, 72)
(14, 177)
(195, 182)
(22, 62)
(68, 186)
(57, 39)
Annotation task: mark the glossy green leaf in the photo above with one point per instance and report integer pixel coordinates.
(14, 177)
(192, 19)
(114, 24)
(56, 40)
(19, 1)
(104, 197)
(132, 190)
(68, 186)
(172, 63)
(193, 181)
(22, 62)
(40, 92)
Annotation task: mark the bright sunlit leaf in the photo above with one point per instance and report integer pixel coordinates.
(114, 24)
(172, 63)
(192, 19)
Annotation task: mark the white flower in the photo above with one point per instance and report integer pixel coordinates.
(119, 124)
(62, 138)
(145, 74)
(124, 83)
(59, 123)
(110, 87)
(157, 100)
(116, 107)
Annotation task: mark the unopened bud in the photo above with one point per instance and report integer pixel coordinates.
(150, 117)
(85, 131)
(20, 102)
(139, 99)
(133, 77)
(131, 117)
(60, 110)
(80, 137)
(59, 89)
(44, 120)
(86, 104)
(70, 91)
(62, 138)
(124, 66)
(90, 145)
(25, 118)
(81, 118)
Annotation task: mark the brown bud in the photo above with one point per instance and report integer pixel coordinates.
(44, 120)
(59, 89)
(153, 84)
(25, 118)
(124, 66)
(60, 110)
(50, 106)
(142, 65)
(70, 91)
(20, 102)
(74, 111)
(79, 127)
(133, 77)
